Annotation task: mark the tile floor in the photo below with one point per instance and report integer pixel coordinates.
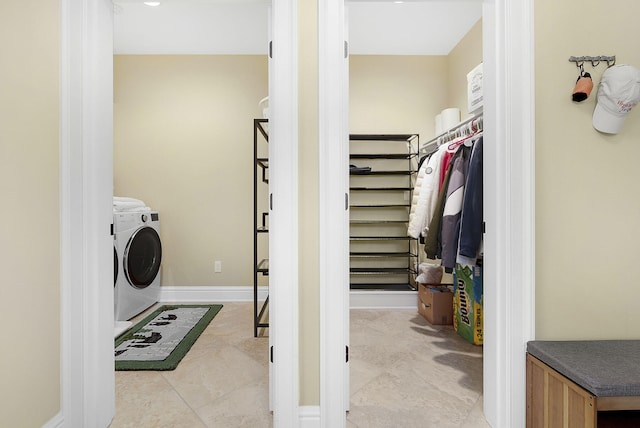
(404, 373)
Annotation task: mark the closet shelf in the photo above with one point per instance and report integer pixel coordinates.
(381, 189)
(260, 315)
(383, 137)
(362, 222)
(388, 286)
(263, 228)
(380, 271)
(407, 205)
(380, 238)
(260, 224)
(376, 238)
(264, 165)
(382, 155)
(390, 172)
(374, 255)
(263, 266)
(259, 125)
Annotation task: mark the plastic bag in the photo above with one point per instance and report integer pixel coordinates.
(429, 273)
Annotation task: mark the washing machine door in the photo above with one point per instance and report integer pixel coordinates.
(142, 257)
(115, 266)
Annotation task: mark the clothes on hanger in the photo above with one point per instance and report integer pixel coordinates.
(427, 187)
(471, 222)
(446, 208)
(460, 197)
(452, 211)
(432, 244)
(425, 194)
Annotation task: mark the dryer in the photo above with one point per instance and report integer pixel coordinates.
(138, 253)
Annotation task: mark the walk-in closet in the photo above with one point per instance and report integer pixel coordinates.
(415, 214)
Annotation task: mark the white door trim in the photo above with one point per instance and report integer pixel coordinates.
(509, 159)
(86, 182)
(86, 168)
(509, 210)
(283, 214)
(333, 159)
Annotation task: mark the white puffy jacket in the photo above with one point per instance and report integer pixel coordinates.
(425, 194)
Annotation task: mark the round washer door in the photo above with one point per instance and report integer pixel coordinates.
(142, 257)
(115, 266)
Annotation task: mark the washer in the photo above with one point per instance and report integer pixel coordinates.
(138, 253)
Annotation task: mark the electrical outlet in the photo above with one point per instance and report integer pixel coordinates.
(217, 266)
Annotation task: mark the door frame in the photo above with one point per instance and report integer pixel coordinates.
(283, 214)
(87, 390)
(508, 32)
(333, 149)
(509, 268)
(87, 377)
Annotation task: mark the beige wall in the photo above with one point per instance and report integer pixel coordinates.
(183, 143)
(461, 60)
(396, 94)
(587, 204)
(404, 93)
(30, 215)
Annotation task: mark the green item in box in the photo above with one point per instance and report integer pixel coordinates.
(467, 303)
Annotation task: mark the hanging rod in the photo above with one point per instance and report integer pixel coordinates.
(434, 141)
(594, 60)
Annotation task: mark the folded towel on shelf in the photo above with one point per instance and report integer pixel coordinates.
(131, 209)
(123, 199)
(129, 204)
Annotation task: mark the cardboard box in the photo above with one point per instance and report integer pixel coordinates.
(435, 304)
(467, 303)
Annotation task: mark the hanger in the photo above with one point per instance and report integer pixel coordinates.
(468, 128)
(462, 140)
(466, 134)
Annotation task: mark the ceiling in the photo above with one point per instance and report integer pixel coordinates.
(382, 27)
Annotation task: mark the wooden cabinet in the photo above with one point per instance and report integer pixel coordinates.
(555, 401)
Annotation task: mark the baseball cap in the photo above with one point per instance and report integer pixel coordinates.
(618, 93)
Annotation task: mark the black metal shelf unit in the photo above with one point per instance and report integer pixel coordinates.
(260, 221)
(382, 177)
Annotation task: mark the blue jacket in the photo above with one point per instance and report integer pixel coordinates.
(471, 220)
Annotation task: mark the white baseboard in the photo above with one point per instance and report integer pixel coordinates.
(210, 294)
(309, 416)
(56, 422)
(383, 299)
(359, 299)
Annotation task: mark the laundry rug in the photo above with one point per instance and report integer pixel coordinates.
(162, 339)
